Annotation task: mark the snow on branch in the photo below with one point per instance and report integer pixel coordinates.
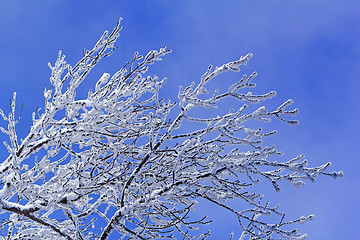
(116, 159)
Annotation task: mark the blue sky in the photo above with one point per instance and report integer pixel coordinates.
(305, 50)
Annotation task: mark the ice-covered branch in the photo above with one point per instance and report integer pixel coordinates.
(121, 157)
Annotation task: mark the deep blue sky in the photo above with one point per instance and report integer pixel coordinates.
(304, 49)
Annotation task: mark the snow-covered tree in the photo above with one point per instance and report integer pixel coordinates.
(121, 160)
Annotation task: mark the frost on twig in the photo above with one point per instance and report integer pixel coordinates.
(115, 159)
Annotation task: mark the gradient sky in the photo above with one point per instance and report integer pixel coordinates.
(304, 49)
